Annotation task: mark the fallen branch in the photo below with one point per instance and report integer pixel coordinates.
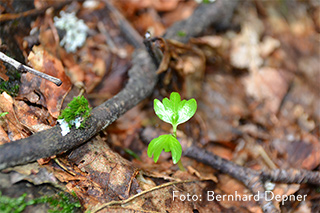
(142, 79)
(22, 68)
(218, 14)
(253, 180)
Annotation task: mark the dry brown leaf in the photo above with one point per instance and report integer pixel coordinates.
(111, 176)
(268, 45)
(41, 91)
(182, 11)
(149, 22)
(212, 41)
(3, 71)
(3, 136)
(165, 5)
(282, 191)
(20, 118)
(99, 67)
(267, 85)
(14, 128)
(189, 63)
(26, 117)
(245, 49)
(32, 173)
(223, 103)
(201, 176)
(131, 6)
(172, 197)
(230, 186)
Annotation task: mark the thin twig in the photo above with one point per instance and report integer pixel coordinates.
(22, 68)
(122, 202)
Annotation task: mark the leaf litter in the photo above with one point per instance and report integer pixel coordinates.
(257, 89)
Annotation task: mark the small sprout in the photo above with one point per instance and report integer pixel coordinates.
(75, 114)
(3, 114)
(175, 112)
(76, 31)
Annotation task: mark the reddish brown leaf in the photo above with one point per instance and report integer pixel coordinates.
(3, 71)
(41, 91)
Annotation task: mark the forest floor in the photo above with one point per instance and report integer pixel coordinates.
(255, 76)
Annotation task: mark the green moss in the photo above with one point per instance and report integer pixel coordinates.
(60, 203)
(78, 107)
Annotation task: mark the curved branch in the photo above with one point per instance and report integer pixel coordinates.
(142, 79)
(252, 179)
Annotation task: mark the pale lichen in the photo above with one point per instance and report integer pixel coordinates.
(75, 30)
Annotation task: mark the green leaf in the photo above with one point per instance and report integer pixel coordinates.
(168, 143)
(186, 110)
(3, 114)
(162, 112)
(176, 150)
(175, 111)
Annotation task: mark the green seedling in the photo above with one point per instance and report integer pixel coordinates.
(173, 111)
(76, 114)
(3, 114)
